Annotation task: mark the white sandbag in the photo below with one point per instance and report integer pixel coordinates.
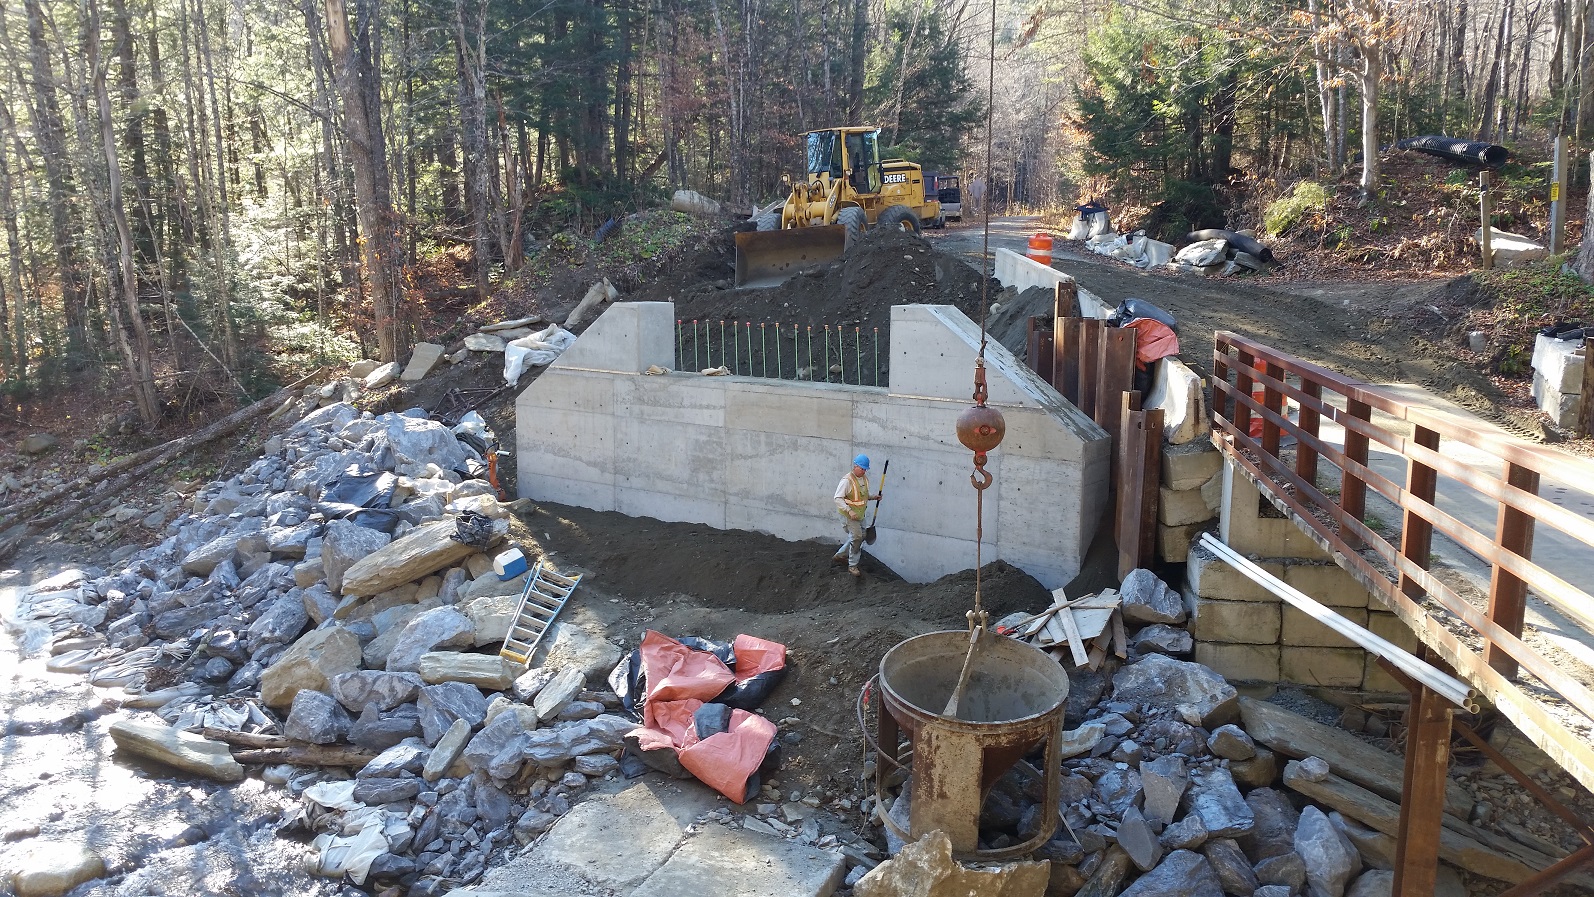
(1100, 224)
(535, 351)
(693, 202)
(1156, 253)
(1079, 230)
(1203, 253)
(1105, 244)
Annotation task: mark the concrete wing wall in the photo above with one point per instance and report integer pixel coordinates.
(765, 455)
(1015, 270)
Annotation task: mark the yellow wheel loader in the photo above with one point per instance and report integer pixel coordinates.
(846, 190)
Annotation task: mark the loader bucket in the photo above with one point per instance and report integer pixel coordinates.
(766, 258)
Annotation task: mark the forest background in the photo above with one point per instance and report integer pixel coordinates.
(202, 198)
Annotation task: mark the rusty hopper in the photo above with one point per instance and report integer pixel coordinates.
(766, 258)
(1013, 701)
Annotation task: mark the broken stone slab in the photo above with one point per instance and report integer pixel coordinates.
(378, 731)
(1186, 834)
(568, 645)
(514, 324)
(317, 718)
(485, 342)
(649, 818)
(1287, 870)
(1182, 874)
(344, 545)
(1174, 684)
(485, 671)
(424, 550)
(1214, 797)
(1233, 870)
(559, 691)
(1459, 843)
(382, 376)
(1082, 740)
(1147, 599)
(925, 867)
(422, 360)
(1375, 883)
(1163, 781)
(361, 368)
(441, 704)
(440, 627)
(1274, 831)
(1137, 840)
(492, 616)
(52, 868)
(1349, 757)
(1231, 743)
(367, 688)
(1109, 875)
(1161, 638)
(447, 751)
(310, 662)
(204, 559)
(181, 750)
(743, 863)
(1331, 860)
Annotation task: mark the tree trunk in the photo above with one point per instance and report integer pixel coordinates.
(355, 75)
(136, 351)
(50, 134)
(18, 343)
(470, 18)
(1491, 88)
(860, 55)
(1372, 75)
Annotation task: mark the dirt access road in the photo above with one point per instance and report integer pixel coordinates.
(1381, 332)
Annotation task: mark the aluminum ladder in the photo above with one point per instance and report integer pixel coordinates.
(541, 601)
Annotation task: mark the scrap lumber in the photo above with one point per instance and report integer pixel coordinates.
(250, 747)
(1296, 736)
(1459, 843)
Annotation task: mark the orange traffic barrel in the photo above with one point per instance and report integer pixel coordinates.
(1040, 249)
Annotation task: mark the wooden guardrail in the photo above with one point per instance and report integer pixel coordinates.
(1487, 649)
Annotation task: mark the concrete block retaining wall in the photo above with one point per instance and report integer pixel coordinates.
(1247, 633)
(1558, 378)
(765, 455)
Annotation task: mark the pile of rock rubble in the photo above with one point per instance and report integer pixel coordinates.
(352, 648)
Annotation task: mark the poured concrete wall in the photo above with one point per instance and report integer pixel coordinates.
(765, 455)
(1022, 272)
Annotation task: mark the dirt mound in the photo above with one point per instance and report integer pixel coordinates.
(885, 268)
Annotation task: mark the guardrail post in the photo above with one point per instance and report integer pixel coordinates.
(1242, 387)
(1416, 532)
(1513, 532)
(1422, 799)
(1352, 489)
(1272, 400)
(1306, 456)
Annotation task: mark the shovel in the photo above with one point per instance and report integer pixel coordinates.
(868, 531)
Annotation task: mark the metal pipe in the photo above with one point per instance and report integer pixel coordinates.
(1443, 684)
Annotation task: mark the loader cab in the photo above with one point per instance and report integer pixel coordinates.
(852, 154)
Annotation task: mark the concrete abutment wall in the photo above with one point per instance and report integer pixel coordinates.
(765, 455)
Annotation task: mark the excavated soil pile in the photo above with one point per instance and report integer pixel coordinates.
(885, 268)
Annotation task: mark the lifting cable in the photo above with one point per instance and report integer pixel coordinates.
(980, 428)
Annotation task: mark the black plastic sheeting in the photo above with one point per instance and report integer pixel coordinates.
(1133, 308)
(627, 678)
(361, 495)
(1454, 149)
(1236, 241)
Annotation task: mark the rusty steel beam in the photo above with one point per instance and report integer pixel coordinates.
(1422, 797)
(1552, 876)
(1508, 592)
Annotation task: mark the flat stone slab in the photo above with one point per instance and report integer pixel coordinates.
(182, 750)
(617, 841)
(729, 862)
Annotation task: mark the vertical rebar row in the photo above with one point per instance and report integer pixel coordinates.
(877, 356)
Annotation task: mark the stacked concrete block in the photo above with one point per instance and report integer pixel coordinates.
(1558, 378)
(1189, 496)
(1247, 633)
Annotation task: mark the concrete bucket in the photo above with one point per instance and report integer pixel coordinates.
(1012, 702)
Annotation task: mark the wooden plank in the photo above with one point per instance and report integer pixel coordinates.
(1089, 354)
(1076, 643)
(1120, 639)
(1352, 490)
(1243, 372)
(1416, 533)
(1305, 456)
(1296, 736)
(1458, 847)
(1116, 376)
(1272, 400)
(1069, 335)
(1507, 591)
(1427, 766)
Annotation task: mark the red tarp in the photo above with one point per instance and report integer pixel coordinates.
(679, 681)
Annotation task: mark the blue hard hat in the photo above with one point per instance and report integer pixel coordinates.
(861, 461)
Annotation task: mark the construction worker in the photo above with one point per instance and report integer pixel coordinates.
(852, 496)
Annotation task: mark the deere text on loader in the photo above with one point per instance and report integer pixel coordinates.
(845, 191)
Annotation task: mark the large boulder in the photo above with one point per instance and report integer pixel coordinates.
(1147, 599)
(485, 671)
(1182, 874)
(311, 662)
(204, 559)
(568, 645)
(424, 550)
(441, 704)
(52, 868)
(344, 545)
(1214, 797)
(1175, 685)
(367, 688)
(317, 718)
(440, 627)
(925, 867)
(1331, 859)
(420, 441)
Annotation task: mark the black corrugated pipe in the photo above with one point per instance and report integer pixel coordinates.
(1454, 149)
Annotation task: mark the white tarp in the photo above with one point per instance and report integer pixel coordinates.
(535, 351)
